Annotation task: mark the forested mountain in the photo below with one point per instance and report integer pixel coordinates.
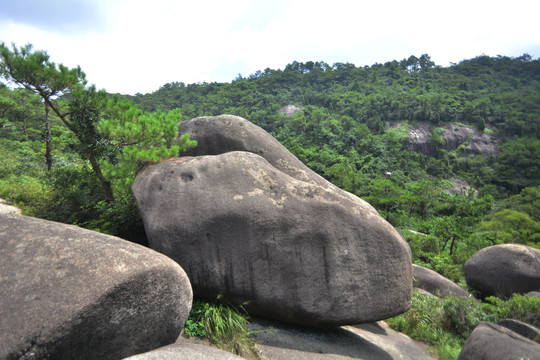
(351, 111)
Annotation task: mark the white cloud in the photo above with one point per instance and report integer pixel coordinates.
(137, 46)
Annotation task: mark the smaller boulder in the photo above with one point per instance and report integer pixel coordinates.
(523, 329)
(503, 270)
(491, 341)
(436, 284)
(423, 292)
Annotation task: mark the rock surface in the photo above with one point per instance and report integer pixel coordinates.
(225, 133)
(502, 270)
(289, 110)
(186, 351)
(6, 208)
(475, 142)
(71, 293)
(375, 341)
(296, 251)
(490, 341)
(435, 283)
(523, 329)
(460, 187)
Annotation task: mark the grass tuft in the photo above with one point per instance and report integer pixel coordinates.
(224, 325)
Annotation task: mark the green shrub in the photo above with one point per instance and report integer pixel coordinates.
(194, 326)
(446, 323)
(25, 192)
(519, 307)
(223, 325)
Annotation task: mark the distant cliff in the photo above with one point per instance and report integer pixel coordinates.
(421, 139)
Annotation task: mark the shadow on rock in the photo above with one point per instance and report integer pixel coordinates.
(367, 341)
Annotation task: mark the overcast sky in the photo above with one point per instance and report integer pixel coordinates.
(131, 46)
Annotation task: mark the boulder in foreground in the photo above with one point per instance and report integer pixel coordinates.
(71, 293)
(292, 250)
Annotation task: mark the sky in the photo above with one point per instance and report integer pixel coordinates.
(136, 46)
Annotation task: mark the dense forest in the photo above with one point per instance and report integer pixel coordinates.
(70, 152)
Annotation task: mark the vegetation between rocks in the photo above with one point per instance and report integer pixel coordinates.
(224, 325)
(446, 323)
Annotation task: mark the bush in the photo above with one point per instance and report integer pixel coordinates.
(519, 307)
(25, 192)
(223, 325)
(446, 323)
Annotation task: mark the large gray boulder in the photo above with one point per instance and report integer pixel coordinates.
(502, 270)
(71, 293)
(489, 341)
(436, 284)
(294, 250)
(220, 134)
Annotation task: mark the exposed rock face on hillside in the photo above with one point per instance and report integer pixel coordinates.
(289, 110)
(279, 237)
(71, 293)
(476, 142)
(460, 187)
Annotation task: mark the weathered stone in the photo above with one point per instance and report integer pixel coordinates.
(423, 292)
(296, 251)
(489, 341)
(436, 284)
(373, 341)
(186, 351)
(474, 142)
(502, 270)
(460, 187)
(7, 208)
(523, 329)
(225, 133)
(289, 110)
(534, 293)
(71, 293)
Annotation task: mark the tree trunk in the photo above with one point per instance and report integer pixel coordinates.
(25, 129)
(452, 245)
(48, 138)
(106, 184)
